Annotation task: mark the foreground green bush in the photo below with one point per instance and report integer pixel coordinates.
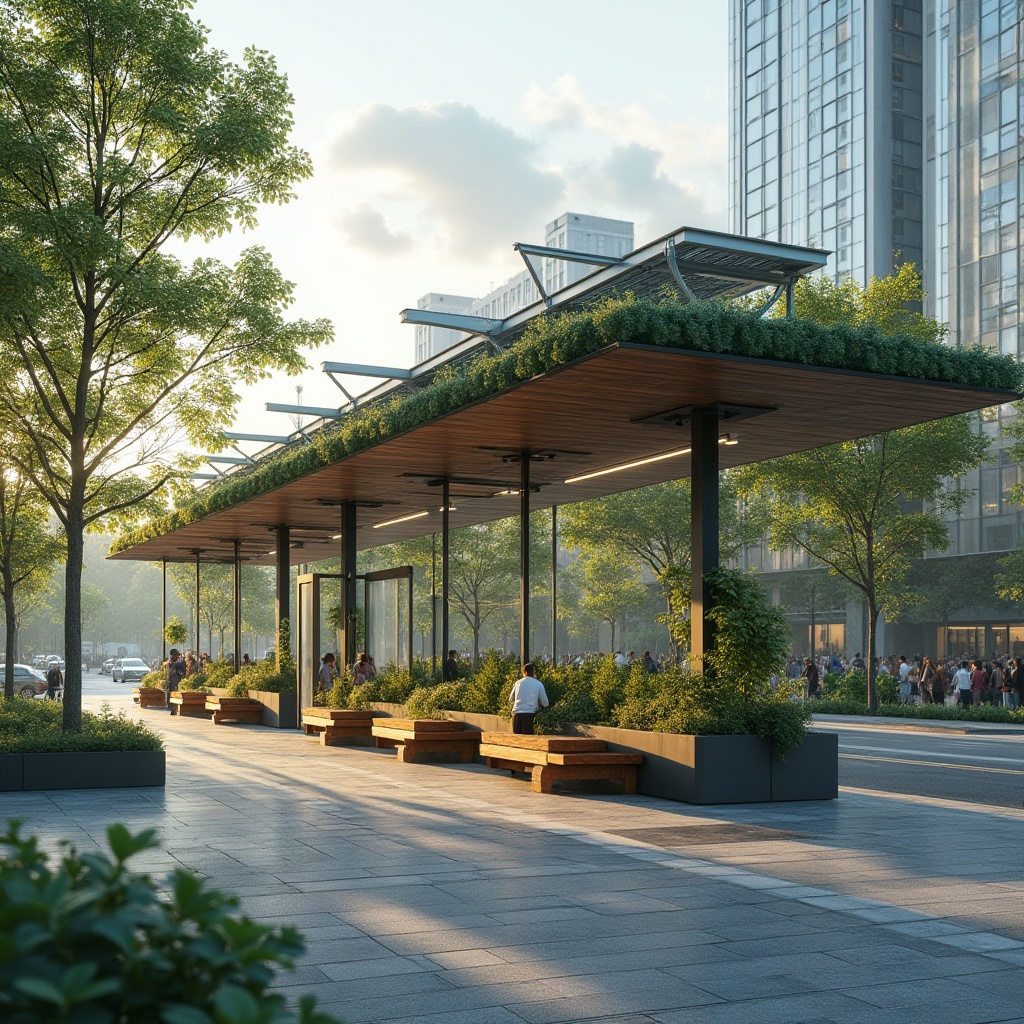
(155, 678)
(86, 941)
(35, 727)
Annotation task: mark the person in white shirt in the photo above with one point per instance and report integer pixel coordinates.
(962, 685)
(527, 696)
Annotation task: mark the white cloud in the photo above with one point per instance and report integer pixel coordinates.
(659, 173)
(477, 177)
(365, 228)
(631, 179)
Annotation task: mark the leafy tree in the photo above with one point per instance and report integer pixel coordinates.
(175, 631)
(609, 587)
(28, 551)
(120, 130)
(651, 525)
(944, 585)
(866, 508)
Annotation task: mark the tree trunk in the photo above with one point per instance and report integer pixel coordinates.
(73, 623)
(872, 624)
(9, 653)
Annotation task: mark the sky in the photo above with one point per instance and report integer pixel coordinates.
(442, 132)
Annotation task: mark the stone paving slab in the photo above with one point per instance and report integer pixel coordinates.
(444, 894)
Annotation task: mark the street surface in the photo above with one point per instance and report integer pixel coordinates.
(980, 769)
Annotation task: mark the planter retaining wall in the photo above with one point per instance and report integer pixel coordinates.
(105, 769)
(704, 769)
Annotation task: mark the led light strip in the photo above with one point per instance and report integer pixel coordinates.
(402, 519)
(724, 439)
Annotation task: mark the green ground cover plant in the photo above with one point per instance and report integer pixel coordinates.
(34, 727)
(556, 340)
(261, 675)
(84, 940)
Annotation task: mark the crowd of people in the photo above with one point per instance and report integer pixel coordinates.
(997, 680)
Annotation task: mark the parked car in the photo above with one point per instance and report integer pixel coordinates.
(27, 681)
(55, 659)
(129, 670)
(107, 667)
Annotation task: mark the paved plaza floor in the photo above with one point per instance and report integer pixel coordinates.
(451, 894)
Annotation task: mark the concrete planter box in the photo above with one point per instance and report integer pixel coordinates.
(727, 769)
(12, 773)
(705, 769)
(280, 710)
(810, 771)
(107, 769)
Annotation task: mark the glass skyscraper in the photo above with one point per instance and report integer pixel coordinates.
(891, 132)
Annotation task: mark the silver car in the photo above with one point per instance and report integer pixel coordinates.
(129, 670)
(27, 681)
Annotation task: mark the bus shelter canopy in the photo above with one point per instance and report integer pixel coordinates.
(613, 419)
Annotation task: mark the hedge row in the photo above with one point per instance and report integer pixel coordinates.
(35, 727)
(556, 340)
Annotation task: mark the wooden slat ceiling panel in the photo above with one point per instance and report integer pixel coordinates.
(587, 412)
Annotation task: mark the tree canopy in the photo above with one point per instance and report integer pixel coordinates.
(866, 508)
(120, 130)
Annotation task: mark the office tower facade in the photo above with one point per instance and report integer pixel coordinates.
(891, 132)
(575, 232)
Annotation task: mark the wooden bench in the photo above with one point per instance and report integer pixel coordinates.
(551, 759)
(188, 703)
(415, 736)
(334, 727)
(149, 697)
(234, 709)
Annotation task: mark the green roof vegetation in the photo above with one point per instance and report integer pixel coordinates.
(557, 340)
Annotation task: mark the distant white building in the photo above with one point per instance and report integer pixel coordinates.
(577, 232)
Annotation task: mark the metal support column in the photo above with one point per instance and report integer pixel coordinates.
(348, 652)
(445, 502)
(524, 558)
(554, 584)
(198, 641)
(163, 613)
(704, 528)
(433, 605)
(238, 604)
(790, 311)
(282, 602)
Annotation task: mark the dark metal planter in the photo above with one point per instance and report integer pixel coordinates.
(108, 769)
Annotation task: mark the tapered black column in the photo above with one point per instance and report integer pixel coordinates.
(524, 559)
(163, 613)
(348, 584)
(238, 604)
(704, 528)
(199, 643)
(554, 584)
(433, 604)
(445, 501)
(282, 602)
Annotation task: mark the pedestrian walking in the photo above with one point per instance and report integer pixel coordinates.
(527, 696)
(962, 686)
(174, 673)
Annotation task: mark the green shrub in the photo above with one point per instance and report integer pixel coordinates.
(434, 701)
(35, 726)
(853, 687)
(487, 690)
(262, 675)
(219, 673)
(175, 631)
(86, 941)
(155, 678)
(673, 701)
(393, 684)
(195, 683)
(751, 634)
(941, 712)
